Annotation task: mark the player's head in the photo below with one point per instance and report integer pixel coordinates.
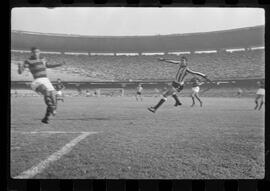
(139, 84)
(58, 80)
(35, 52)
(183, 61)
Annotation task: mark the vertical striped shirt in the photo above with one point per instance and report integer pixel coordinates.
(37, 67)
(182, 72)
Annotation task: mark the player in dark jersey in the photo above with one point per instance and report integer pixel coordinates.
(178, 84)
(59, 87)
(139, 92)
(41, 84)
(259, 100)
(195, 82)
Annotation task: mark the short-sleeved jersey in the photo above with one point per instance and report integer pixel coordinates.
(195, 82)
(59, 86)
(261, 85)
(37, 67)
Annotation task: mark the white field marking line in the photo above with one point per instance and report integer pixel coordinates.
(54, 157)
(48, 132)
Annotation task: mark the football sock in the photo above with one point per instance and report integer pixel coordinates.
(160, 103)
(176, 99)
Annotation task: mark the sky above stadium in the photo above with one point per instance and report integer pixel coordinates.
(133, 21)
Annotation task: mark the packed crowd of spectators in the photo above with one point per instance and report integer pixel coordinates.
(225, 65)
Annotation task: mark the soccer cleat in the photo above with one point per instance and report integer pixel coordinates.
(177, 104)
(153, 110)
(45, 120)
(192, 105)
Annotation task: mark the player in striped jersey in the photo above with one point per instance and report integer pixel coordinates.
(178, 83)
(260, 95)
(41, 84)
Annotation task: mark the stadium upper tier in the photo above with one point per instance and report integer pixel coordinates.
(244, 64)
(244, 37)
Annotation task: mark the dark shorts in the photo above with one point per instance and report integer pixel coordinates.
(177, 86)
(139, 93)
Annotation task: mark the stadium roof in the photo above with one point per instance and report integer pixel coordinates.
(235, 38)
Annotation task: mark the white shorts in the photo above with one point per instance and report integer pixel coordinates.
(196, 89)
(260, 91)
(42, 81)
(59, 93)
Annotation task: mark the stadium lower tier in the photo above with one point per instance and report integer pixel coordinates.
(244, 64)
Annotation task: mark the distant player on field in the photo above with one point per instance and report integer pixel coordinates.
(59, 86)
(139, 92)
(41, 84)
(195, 90)
(259, 100)
(178, 84)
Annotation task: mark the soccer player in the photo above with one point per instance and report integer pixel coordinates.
(139, 92)
(259, 100)
(41, 84)
(59, 87)
(195, 90)
(178, 84)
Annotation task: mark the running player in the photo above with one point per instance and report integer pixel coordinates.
(41, 84)
(139, 92)
(59, 87)
(195, 90)
(259, 100)
(178, 84)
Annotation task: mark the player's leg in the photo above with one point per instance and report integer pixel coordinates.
(197, 97)
(193, 98)
(162, 100)
(256, 101)
(141, 96)
(137, 96)
(50, 101)
(261, 102)
(177, 101)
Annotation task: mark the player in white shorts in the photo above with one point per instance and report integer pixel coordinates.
(41, 84)
(259, 100)
(139, 92)
(195, 90)
(59, 87)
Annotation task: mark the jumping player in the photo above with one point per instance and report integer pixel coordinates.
(59, 87)
(195, 90)
(259, 100)
(139, 92)
(41, 84)
(178, 84)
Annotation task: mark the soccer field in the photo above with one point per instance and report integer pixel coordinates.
(117, 137)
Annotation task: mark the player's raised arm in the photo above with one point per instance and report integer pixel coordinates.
(169, 61)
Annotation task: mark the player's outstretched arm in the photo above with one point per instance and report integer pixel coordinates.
(169, 61)
(54, 65)
(196, 73)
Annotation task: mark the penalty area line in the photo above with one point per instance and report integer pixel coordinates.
(52, 158)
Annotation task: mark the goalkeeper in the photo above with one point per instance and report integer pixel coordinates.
(178, 84)
(41, 84)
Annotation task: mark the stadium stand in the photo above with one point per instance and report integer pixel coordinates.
(222, 65)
